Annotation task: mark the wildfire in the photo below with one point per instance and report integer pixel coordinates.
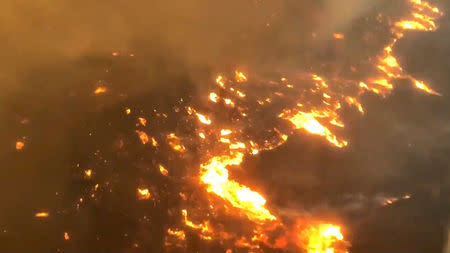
(223, 145)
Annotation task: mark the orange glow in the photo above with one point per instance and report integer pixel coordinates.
(321, 238)
(143, 193)
(177, 233)
(175, 142)
(220, 81)
(240, 77)
(66, 236)
(215, 175)
(20, 145)
(100, 90)
(88, 173)
(142, 121)
(338, 36)
(127, 111)
(163, 170)
(203, 119)
(422, 86)
(309, 122)
(143, 136)
(224, 132)
(213, 97)
(42, 215)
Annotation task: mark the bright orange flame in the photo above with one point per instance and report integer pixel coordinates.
(215, 175)
(308, 121)
(88, 173)
(143, 136)
(321, 238)
(143, 193)
(42, 215)
(203, 119)
(100, 90)
(19, 145)
(163, 170)
(66, 236)
(175, 142)
(240, 77)
(142, 121)
(177, 233)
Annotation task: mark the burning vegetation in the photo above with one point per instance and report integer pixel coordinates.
(204, 145)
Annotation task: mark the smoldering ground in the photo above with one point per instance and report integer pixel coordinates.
(54, 53)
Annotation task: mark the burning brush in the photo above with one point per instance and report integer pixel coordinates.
(206, 144)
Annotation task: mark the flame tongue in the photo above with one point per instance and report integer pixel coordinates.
(215, 175)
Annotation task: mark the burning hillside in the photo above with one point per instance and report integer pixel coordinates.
(180, 164)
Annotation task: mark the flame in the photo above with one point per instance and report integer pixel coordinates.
(177, 233)
(163, 170)
(143, 136)
(213, 97)
(308, 121)
(20, 145)
(215, 175)
(66, 236)
(142, 121)
(88, 173)
(240, 77)
(100, 90)
(42, 215)
(143, 193)
(127, 111)
(320, 238)
(175, 142)
(224, 145)
(220, 81)
(203, 119)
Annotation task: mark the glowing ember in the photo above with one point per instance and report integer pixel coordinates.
(321, 238)
(240, 77)
(163, 170)
(19, 145)
(42, 215)
(143, 137)
(143, 193)
(142, 121)
(338, 36)
(215, 175)
(66, 236)
(100, 90)
(88, 173)
(213, 97)
(175, 142)
(203, 119)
